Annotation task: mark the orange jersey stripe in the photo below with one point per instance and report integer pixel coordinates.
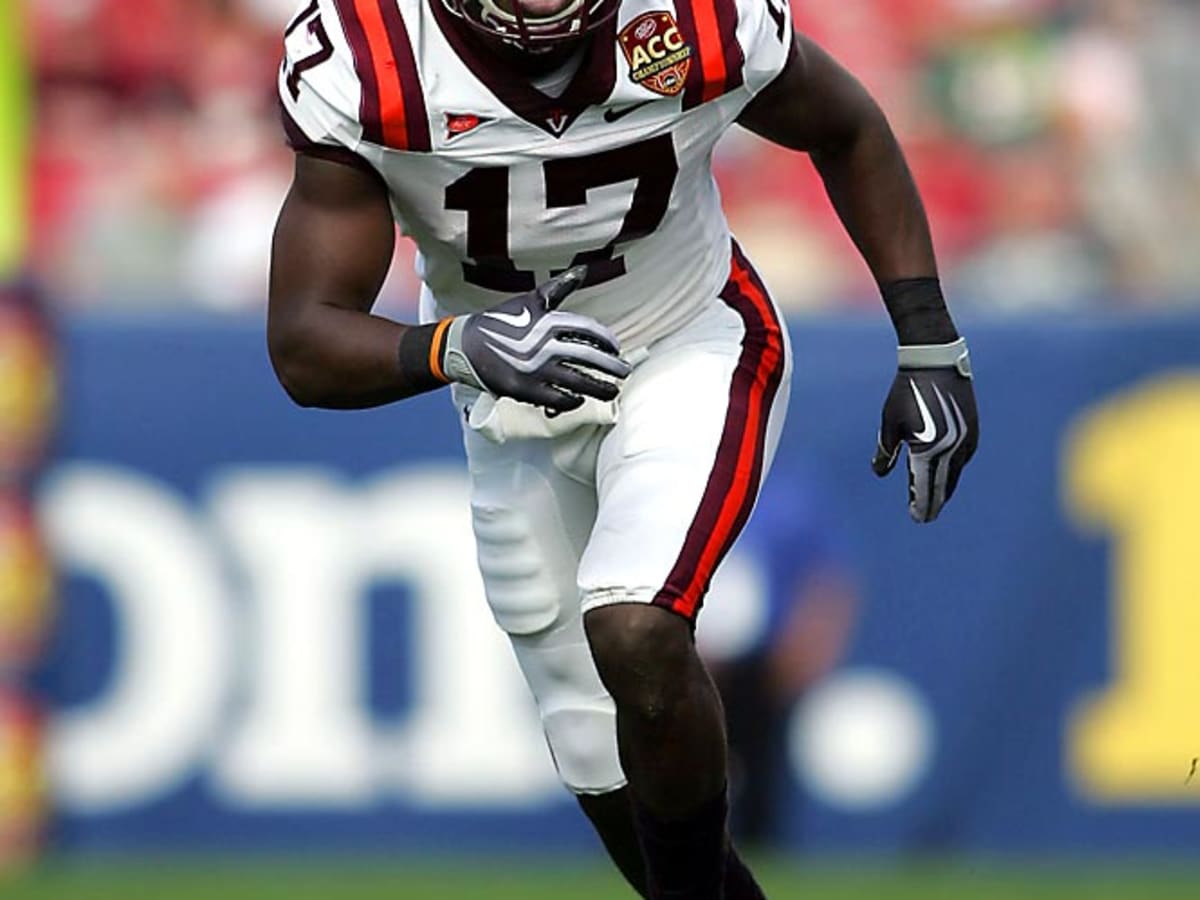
(712, 53)
(393, 114)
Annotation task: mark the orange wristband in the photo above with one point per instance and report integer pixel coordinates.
(436, 346)
(420, 356)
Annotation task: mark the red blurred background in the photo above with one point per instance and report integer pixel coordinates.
(1051, 138)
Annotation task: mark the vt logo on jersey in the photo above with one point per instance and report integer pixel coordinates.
(556, 121)
(658, 56)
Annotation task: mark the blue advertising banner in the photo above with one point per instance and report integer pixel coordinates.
(272, 635)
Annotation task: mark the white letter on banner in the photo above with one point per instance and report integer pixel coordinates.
(474, 737)
(303, 737)
(155, 721)
(311, 550)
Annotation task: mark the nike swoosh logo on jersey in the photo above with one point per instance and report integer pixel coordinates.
(516, 320)
(929, 432)
(613, 115)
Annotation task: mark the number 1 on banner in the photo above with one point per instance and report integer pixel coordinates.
(1131, 469)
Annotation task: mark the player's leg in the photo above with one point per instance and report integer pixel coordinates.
(533, 507)
(611, 814)
(672, 744)
(677, 478)
(579, 722)
(532, 520)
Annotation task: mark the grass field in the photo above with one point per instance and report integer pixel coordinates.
(495, 880)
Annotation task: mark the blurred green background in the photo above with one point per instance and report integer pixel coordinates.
(534, 879)
(14, 169)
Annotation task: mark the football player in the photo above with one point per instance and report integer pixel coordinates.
(622, 369)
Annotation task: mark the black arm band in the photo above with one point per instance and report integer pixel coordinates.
(918, 311)
(420, 360)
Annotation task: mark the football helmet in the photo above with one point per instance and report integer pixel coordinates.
(507, 21)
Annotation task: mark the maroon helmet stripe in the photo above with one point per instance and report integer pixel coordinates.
(370, 112)
(415, 116)
(734, 480)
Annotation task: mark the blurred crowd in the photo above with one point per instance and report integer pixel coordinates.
(1057, 143)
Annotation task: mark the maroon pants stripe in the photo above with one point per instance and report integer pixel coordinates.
(737, 470)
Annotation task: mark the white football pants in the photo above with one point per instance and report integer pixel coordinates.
(640, 511)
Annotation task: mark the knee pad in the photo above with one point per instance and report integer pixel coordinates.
(583, 742)
(577, 714)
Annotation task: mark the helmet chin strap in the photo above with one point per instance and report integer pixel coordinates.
(505, 20)
(516, 27)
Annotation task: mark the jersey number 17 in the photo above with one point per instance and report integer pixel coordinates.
(483, 194)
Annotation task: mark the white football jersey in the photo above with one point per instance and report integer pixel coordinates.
(501, 185)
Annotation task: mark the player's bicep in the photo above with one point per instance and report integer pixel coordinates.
(812, 104)
(333, 242)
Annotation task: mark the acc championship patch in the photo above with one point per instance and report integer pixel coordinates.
(658, 56)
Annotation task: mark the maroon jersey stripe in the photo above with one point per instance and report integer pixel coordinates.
(735, 59)
(370, 112)
(693, 85)
(710, 27)
(733, 483)
(416, 118)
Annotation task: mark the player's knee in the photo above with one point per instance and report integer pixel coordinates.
(583, 743)
(644, 654)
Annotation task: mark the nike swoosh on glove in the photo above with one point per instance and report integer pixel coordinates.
(931, 408)
(528, 349)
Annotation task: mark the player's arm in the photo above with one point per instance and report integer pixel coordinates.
(818, 107)
(332, 248)
(815, 105)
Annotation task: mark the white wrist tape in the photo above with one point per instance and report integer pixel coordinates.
(936, 356)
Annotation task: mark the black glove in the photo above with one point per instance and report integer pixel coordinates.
(527, 349)
(931, 407)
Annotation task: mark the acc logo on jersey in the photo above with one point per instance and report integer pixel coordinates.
(658, 56)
